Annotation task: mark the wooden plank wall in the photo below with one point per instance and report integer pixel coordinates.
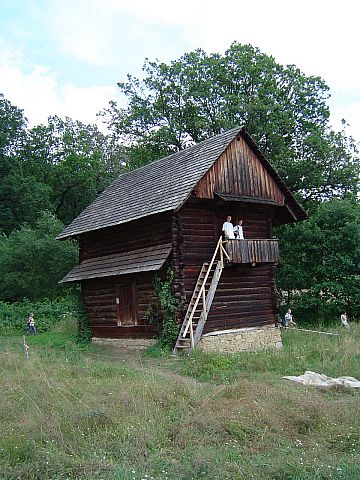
(238, 171)
(100, 300)
(99, 294)
(146, 232)
(245, 294)
(243, 299)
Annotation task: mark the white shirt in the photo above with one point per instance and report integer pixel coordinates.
(228, 228)
(238, 230)
(288, 318)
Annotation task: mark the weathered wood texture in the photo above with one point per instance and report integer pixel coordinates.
(147, 232)
(245, 295)
(100, 294)
(238, 171)
(253, 251)
(157, 187)
(243, 299)
(134, 261)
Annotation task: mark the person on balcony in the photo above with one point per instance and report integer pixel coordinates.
(238, 231)
(228, 229)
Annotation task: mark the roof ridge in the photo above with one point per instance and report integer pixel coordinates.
(161, 159)
(159, 186)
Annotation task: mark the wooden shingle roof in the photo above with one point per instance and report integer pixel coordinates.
(158, 187)
(134, 261)
(163, 185)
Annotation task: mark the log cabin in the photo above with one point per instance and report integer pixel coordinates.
(169, 214)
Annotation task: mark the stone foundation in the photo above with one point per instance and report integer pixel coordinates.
(131, 343)
(241, 340)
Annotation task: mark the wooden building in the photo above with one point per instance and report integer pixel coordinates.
(170, 214)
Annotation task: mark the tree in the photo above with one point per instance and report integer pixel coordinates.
(76, 161)
(21, 196)
(32, 261)
(200, 95)
(59, 167)
(320, 258)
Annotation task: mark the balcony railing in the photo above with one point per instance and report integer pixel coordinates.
(253, 251)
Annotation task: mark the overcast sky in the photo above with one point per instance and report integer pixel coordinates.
(65, 57)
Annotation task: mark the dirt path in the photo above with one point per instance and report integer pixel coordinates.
(161, 367)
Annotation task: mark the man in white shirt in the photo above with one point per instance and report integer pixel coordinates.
(344, 320)
(228, 229)
(289, 319)
(238, 231)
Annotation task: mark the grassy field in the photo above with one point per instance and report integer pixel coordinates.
(102, 413)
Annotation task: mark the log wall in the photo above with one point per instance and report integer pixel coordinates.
(99, 294)
(245, 295)
(142, 233)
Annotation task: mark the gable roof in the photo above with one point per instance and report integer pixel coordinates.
(160, 186)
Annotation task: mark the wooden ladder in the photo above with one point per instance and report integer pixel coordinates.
(196, 316)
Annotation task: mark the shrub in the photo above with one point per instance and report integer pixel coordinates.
(47, 313)
(162, 314)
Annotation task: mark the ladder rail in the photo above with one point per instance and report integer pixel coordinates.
(189, 308)
(209, 299)
(200, 293)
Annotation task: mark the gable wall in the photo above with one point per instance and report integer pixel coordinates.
(238, 171)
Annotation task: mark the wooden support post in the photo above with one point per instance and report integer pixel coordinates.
(221, 254)
(26, 349)
(204, 304)
(192, 336)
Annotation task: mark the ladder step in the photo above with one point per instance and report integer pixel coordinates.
(198, 312)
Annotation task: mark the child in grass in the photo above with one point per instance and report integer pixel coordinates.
(344, 320)
(31, 325)
(289, 319)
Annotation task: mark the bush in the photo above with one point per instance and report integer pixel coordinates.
(162, 314)
(47, 313)
(320, 264)
(32, 262)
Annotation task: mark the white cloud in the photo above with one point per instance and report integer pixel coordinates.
(115, 36)
(40, 94)
(318, 36)
(350, 112)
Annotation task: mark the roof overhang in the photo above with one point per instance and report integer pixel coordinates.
(134, 261)
(247, 199)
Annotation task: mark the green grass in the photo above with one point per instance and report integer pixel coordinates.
(333, 356)
(99, 413)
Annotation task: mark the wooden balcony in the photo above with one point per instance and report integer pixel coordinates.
(253, 251)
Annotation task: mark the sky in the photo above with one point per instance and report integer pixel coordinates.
(65, 57)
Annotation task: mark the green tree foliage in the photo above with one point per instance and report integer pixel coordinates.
(75, 161)
(162, 314)
(200, 95)
(320, 257)
(22, 196)
(32, 261)
(59, 167)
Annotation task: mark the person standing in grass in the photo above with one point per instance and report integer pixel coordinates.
(289, 319)
(344, 321)
(31, 325)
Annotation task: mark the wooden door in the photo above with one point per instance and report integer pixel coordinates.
(126, 305)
